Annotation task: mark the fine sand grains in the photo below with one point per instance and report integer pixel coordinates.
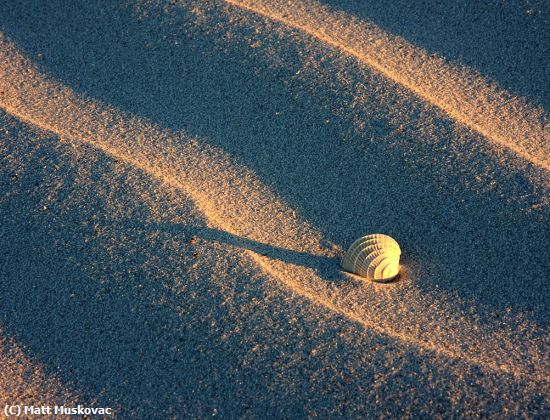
(234, 201)
(256, 299)
(463, 94)
(123, 288)
(24, 382)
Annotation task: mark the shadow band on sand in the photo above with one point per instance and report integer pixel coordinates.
(481, 246)
(326, 267)
(114, 337)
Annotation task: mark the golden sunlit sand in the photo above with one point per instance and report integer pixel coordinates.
(464, 95)
(180, 182)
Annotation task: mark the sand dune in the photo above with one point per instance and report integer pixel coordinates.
(460, 92)
(279, 240)
(135, 313)
(237, 203)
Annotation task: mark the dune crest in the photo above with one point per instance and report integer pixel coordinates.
(466, 96)
(234, 200)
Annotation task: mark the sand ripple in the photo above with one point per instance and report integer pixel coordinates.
(234, 200)
(464, 95)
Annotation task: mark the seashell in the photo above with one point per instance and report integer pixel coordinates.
(375, 257)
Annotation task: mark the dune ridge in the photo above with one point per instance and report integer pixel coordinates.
(463, 94)
(233, 199)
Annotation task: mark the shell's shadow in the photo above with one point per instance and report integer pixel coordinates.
(327, 268)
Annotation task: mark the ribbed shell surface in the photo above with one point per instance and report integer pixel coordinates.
(374, 257)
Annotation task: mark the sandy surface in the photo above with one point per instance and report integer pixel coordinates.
(179, 181)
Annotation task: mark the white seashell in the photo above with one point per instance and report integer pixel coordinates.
(375, 257)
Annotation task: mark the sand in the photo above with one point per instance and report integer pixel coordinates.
(180, 180)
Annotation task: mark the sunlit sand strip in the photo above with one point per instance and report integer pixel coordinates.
(463, 94)
(233, 199)
(24, 382)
